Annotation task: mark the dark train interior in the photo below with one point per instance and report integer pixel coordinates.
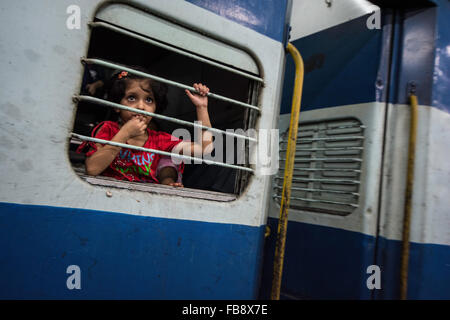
(115, 47)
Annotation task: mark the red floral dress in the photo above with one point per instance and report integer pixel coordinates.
(132, 165)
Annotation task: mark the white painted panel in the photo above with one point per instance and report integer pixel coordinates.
(430, 216)
(431, 202)
(364, 218)
(41, 57)
(149, 25)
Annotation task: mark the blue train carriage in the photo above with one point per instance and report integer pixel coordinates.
(68, 235)
(363, 60)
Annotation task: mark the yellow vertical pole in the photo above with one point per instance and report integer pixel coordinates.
(408, 198)
(288, 171)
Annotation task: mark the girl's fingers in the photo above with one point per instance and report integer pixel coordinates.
(201, 89)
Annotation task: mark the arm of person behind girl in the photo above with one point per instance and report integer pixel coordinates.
(196, 149)
(101, 159)
(169, 176)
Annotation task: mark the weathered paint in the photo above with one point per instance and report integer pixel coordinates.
(123, 256)
(367, 73)
(128, 244)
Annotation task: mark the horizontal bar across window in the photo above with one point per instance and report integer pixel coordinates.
(320, 190)
(159, 116)
(306, 127)
(325, 149)
(163, 80)
(164, 153)
(170, 48)
(298, 160)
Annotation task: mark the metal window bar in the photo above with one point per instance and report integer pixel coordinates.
(322, 201)
(164, 153)
(342, 138)
(307, 127)
(298, 160)
(320, 190)
(163, 80)
(173, 49)
(158, 116)
(302, 141)
(322, 180)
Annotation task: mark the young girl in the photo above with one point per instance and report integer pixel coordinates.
(132, 165)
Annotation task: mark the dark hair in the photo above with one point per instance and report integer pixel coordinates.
(119, 83)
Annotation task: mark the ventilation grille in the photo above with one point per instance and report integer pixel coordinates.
(327, 167)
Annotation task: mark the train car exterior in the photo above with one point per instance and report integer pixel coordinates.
(362, 62)
(65, 237)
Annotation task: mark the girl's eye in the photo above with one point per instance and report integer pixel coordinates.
(149, 100)
(131, 98)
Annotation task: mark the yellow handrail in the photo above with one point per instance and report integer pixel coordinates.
(288, 170)
(408, 198)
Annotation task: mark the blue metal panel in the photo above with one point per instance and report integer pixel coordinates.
(382, 82)
(428, 276)
(347, 64)
(267, 17)
(341, 66)
(123, 256)
(414, 59)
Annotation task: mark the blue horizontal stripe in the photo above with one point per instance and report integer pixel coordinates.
(320, 262)
(124, 256)
(330, 263)
(347, 64)
(341, 66)
(428, 274)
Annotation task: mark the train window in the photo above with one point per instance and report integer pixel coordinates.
(327, 166)
(126, 38)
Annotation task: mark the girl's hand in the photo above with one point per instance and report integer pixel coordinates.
(200, 98)
(176, 184)
(136, 126)
(169, 181)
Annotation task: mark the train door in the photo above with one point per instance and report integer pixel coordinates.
(347, 203)
(333, 215)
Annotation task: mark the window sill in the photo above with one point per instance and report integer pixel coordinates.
(158, 189)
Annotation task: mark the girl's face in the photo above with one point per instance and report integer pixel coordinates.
(138, 95)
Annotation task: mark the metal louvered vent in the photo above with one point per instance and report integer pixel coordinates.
(327, 166)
